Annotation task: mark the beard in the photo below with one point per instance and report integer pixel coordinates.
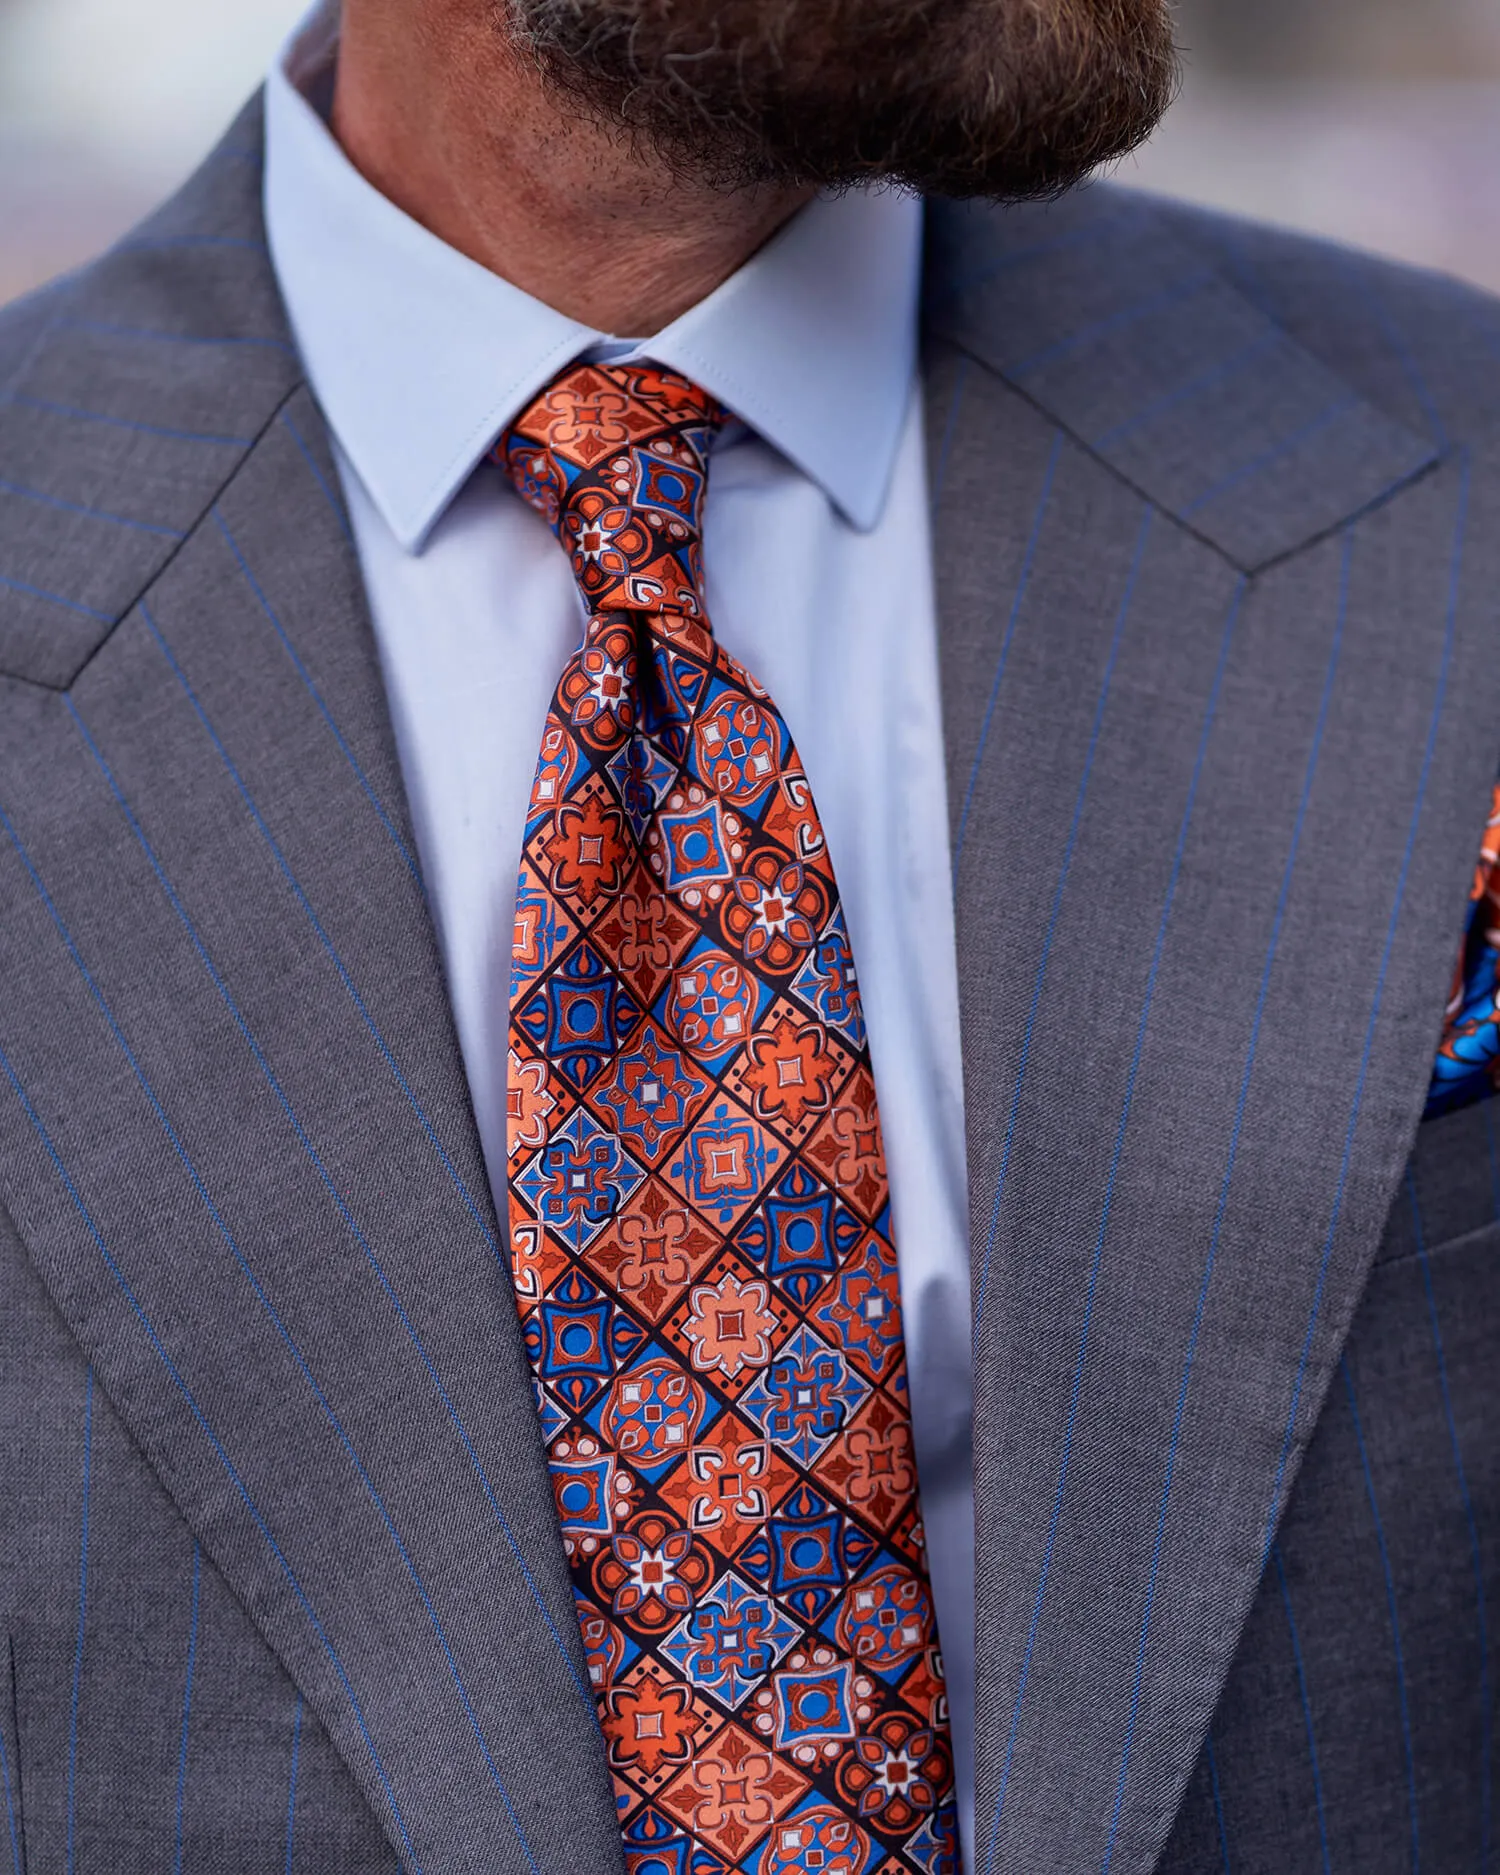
(1007, 99)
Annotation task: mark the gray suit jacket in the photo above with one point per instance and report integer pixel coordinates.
(1217, 523)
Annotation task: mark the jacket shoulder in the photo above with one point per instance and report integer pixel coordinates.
(130, 393)
(24, 325)
(1420, 347)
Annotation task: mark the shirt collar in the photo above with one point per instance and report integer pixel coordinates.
(420, 357)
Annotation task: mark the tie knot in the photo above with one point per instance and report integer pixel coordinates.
(615, 458)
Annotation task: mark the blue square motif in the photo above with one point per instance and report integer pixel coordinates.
(694, 849)
(579, 1180)
(813, 1707)
(806, 1397)
(730, 1641)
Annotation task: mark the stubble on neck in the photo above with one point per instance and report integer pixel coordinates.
(459, 128)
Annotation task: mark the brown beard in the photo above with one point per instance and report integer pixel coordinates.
(1001, 98)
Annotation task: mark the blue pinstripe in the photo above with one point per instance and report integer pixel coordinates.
(83, 1603)
(23, 493)
(1114, 1165)
(199, 1186)
(1114, 650)
(338, 1201)
(1390, 1600)
(257, 1289)
(1288, 445)
(1176, 294)
(275, 1318)
(1213, 1785)
(1486, 1695)
(1209, 715)
(454, 1175)
(1057, 898)
(291, 1791)
(339, 512)
(10, 1797)
(1211, 1258)
(1395, 340)
(124, 423)
(55, 598)
(1019, 599)
(149, 1329)
(187, 1704)
(317, 696)
(1307, 1720)
(264, 1300)
(1206, 380)
(1440, 693)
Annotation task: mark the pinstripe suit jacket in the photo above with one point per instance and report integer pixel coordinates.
(1217, 527)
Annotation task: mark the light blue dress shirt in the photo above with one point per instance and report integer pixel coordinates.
(818, 576)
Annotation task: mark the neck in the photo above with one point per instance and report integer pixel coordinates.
(455, 125)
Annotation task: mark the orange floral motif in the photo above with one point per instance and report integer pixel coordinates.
(791, 1069)
(587, 850)
(847, 1147)
(605, 537)
(734, 1792)
(895, 1772)
(651, 1573)
(654, 1249)
(872, 1465)
(640, 936)
(775, 912)
(729, 1483)
(527, 1104)
(588, 416)
(655, 1723)
(598, 689)
(730, 1325)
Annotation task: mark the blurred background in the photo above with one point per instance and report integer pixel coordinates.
(1377, 121)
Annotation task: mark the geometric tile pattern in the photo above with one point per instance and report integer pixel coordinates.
(1468, 1060)
(699, 1216)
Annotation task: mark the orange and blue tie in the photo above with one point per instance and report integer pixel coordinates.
(1468, 1061)
(699, 1216)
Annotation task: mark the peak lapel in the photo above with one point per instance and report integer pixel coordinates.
(236, 1136)
(1096, 313)
(1212, 840)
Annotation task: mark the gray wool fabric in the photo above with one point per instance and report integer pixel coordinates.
(1217, 535)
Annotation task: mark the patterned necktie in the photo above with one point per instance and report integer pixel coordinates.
(699, 1219)
(1468, 1061)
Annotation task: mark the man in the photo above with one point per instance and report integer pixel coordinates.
(727, 898)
